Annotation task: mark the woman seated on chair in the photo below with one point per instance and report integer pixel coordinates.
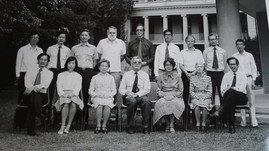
(102, 90)
(200, 96)
(170, 88)
(68, 87)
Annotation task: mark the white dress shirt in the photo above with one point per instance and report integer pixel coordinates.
(85, 54)
(247, 63)
(189, 58)
(69, 81)
(52, 51)
(174, 53)
(27, 58)
(30, 77)
(208, 56)
(127, 82)
(112, 51)
(241, 82)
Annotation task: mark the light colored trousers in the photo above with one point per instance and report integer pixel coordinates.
(251, 102)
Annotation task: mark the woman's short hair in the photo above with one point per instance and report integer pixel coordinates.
(69, 59)
(171, 61)
(102, 61)
(189, 36)
(43, 54)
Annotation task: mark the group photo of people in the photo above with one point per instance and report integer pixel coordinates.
(91, 76)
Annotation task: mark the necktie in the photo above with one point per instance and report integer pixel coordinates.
(58, 58)
(38, 78)
(139, 53)
(234, 80)
(166, 52)
(135, 86)
(215, 59)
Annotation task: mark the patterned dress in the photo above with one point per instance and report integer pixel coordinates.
(102, 90)
(201, 91)
(169, 84)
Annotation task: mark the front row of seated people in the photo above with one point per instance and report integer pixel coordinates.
(134, 88)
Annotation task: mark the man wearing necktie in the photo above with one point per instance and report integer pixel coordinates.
(37, 81)
(165, 50)
(214, 57)
(134, 87)
(141, 47)
(58, 55)
(234, 87)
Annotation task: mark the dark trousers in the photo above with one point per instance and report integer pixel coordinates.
(36, 101)
(21, 110)
(186, 85)
(216, 78)
(87, 75)
(231, 98)
(52, 90)
(132, 104)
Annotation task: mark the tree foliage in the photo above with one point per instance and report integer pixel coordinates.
(19, 17)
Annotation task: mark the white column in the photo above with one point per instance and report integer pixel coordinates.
(128, 29)
(206, 31)
(229, 25)
(165, 22)
(267, 10)
(146, 26)
(251, 26)
(185, 29)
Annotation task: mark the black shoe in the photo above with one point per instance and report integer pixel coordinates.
(146, 131)
(203, 129)
(197, 128)
(104, 130)
(32, 133)
(231, 129)
(130, 131)
(97, 130)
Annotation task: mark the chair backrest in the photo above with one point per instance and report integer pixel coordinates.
(153, 91)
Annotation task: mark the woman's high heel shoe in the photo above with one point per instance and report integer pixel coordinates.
(97, 130)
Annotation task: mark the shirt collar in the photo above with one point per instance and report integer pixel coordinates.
(115, 41)
(86, 44)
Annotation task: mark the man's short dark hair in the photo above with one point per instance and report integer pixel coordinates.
(34, 32)
(43, 54)
(232, 58)
(213, 34)
(140, 24)
(61, 32)
(167, 30)
(240, 40)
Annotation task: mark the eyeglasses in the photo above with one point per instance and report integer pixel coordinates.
(137, 62)
(139, 30)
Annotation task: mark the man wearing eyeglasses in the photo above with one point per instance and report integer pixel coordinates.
(26, 59)
(134, 87)
(141, 47)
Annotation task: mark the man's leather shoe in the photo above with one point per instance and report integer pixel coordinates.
(130, 131)
(231, 129)
(146, 131)
(32, 133)
(203, 129)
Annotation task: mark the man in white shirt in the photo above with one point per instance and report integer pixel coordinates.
(37, 81)
(112, 49)
(215, 57)
(247, 64)
(165, 50)
(233, 89)
(87, 56)
(58, 55)
(189, 58)
(134, 87)
(26, 59)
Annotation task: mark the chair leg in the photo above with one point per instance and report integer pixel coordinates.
(117, 116)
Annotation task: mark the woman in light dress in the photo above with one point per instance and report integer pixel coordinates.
(68, 87)
(200, 96)
(102, 90)
(170, 88)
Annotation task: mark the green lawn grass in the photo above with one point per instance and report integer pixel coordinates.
(245, 139)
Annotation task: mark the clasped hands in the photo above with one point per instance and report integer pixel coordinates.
(131, 94)
(167, 97)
